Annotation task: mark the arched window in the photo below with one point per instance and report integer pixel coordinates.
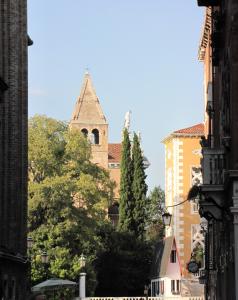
(95, 136)
(84, 132)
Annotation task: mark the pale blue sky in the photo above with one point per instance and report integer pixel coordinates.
(141, 54)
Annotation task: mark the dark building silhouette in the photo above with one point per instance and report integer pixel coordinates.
(13, 149)
(219, 191)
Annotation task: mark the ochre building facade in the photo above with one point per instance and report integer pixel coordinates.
(183, 170)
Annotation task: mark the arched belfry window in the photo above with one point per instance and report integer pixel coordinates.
(84, 132)
(95, 136)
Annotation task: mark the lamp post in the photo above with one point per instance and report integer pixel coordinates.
(45, 260)
(166, 218)
(82, 278)
(30, 243)
(44, 257)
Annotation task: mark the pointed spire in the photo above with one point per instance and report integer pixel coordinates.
(87, 109)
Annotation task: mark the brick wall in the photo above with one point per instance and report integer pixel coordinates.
(13, 146)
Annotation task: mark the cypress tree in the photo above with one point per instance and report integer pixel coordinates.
(126, 201)
(139, 189)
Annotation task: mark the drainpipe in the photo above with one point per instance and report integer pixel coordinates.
(234, 211)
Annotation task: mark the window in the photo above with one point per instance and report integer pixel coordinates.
(13, 290)
(172, 286)
(113, 165)
(173, 256)
(162, 287)
(196, 179)
(194, 207)
(197, 237)
(157, 287)
(178, 285)
(95, 137)
(84, 132)
(175, 286)
(196, 176)
(5, 287)
(152, 289)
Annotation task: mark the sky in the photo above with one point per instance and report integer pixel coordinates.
(141, 55)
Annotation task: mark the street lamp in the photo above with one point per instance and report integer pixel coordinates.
(82, 277)
(45, 260)
(82, 261)
(44, 257)
(166, 218)
(29, 242)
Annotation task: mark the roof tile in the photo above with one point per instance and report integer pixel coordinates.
(114, 153)
(196, 129)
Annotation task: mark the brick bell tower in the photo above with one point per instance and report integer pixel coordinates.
(88, 117)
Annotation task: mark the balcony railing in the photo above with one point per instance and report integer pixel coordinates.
(213, 166)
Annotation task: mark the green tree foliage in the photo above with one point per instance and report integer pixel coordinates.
(198, 255)
(123, 264)
(126, 198)
(68, 197)
(154, 211)
(139, 189)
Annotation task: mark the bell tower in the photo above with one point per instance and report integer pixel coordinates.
(88, 117)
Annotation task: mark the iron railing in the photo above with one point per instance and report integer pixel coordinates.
(213, 166)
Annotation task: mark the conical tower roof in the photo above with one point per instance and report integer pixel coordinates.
(87, 109)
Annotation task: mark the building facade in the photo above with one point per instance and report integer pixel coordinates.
(219, 192)
(183, 170)
(166, 270)
(13, 149)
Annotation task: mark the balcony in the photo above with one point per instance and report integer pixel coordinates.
(212, 198)
(213, 166)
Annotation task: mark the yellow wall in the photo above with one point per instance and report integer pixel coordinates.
(182, 153)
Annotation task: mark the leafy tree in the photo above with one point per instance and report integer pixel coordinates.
(46, 147)
(122, 264)
(68, 197)
(139, 189)
(126, 198)
(198, 255)
(154, 211)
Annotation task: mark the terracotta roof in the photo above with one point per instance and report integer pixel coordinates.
(194, 130)
(114, 153)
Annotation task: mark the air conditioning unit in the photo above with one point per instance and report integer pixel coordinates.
(208, 2)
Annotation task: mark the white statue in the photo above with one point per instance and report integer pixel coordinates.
(127, 120)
